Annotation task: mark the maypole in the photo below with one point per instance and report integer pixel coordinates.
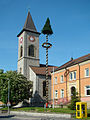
(48, 31)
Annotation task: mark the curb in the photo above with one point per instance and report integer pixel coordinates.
(40, 114)
(6, 116)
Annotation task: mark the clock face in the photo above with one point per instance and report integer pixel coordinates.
(31, 38)
(21, 40)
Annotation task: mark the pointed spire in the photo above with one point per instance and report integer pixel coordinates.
(29, 24)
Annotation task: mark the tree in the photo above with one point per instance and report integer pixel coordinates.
(19, 87)
(74, 98)
(47, 28)
(1, 71)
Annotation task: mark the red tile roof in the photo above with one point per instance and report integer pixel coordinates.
(74, 62)
(42, 69)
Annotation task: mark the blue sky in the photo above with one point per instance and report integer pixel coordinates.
(70, 21)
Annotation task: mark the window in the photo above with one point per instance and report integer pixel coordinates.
(21, 51)
(62, 93)
(31, 50)
(74, 75)
(56, 93)
(62, 79)
(55, 80)
(71, 76)
(87, 90)
(87, 72)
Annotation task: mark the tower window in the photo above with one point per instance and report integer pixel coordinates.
(31, 51)
(21, 51)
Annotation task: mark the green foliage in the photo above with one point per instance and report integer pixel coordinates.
(74, 99)
(19, 87)
(47, 28)
(1, 71)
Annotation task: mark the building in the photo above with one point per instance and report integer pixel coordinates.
(71, 76)
(29, 63)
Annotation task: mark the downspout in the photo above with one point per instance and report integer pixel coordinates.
(66, 89)
(66, 84)
(79, 83)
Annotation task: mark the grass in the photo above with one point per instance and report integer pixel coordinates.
(41, 109)
(46, 110)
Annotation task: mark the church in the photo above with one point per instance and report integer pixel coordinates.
(29, 63)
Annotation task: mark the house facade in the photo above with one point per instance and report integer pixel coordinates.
(73, 75)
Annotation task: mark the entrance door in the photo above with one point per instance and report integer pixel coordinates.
(73, 90)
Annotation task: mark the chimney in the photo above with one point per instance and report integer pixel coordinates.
(71, 58)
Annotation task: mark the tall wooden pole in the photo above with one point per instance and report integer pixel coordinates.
(47, 30)
(47, 69)
(46, 45)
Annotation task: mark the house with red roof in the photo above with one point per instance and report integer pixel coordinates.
(74, 75)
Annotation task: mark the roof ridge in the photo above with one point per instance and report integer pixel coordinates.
(81, 57)
(73, 62)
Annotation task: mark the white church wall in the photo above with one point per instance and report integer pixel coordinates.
(33, 79)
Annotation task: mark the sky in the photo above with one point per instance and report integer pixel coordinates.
(70, 22)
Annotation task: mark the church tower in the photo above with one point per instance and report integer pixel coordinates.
(28, 47)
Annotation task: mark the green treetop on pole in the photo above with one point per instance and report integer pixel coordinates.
(47, 28)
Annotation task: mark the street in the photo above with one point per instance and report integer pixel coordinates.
(30, 118)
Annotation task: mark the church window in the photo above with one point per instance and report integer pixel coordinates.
(44, 88)
(31, 50)
(21, 51)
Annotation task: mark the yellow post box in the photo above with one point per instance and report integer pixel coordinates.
(81, 110)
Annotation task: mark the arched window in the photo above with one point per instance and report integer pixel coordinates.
(21, 51)
(31, 50)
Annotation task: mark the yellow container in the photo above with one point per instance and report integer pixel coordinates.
(81, 110)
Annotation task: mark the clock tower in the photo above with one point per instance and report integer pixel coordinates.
(28, 47)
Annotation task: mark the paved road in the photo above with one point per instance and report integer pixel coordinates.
(30, 118)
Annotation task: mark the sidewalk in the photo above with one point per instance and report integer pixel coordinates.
(40, 114)
(5, 115)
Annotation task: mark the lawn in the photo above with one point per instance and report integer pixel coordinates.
(46, 110)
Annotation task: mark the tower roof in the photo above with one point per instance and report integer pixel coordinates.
(29, 25)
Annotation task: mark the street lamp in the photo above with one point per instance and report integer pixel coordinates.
(8, 95)
(48, 31)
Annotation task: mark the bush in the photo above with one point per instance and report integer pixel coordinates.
(74, 98)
